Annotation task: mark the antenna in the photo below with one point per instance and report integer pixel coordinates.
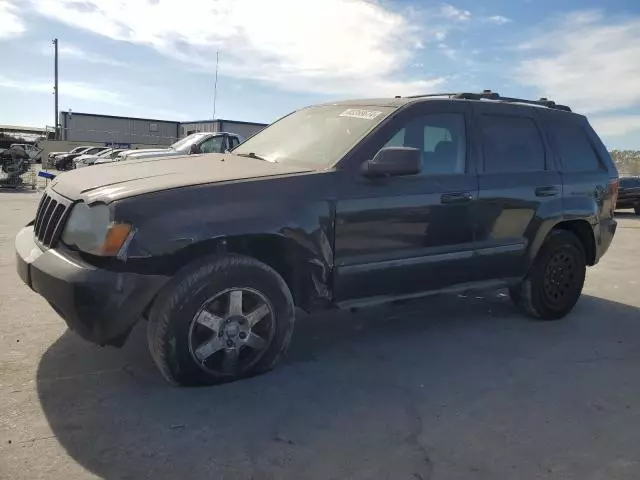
(215, 86)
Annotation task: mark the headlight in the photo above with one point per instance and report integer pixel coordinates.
(92, 230)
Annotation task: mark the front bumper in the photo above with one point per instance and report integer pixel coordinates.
(102, 306)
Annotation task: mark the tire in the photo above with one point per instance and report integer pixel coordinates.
(553, 285)
(181, 318)
(637, 210)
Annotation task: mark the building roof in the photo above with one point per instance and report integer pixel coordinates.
(119, 117)
(21, 128)
(211, 120)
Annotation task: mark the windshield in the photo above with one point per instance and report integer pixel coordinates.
(185, 144)
(79, 149)
(316, 136)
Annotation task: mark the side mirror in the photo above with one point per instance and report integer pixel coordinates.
(195, 148)
(393, 162)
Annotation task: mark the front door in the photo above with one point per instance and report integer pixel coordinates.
(403, 235)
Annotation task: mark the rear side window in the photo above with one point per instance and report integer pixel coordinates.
(572, 145)
(511, 144)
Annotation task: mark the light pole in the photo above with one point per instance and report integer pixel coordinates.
(55, 87)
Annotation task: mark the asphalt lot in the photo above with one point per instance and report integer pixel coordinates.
(452, 387)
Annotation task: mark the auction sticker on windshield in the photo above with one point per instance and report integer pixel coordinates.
(360, 113)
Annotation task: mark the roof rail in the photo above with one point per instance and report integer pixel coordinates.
(489, 95)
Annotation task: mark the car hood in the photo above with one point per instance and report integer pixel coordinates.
(145, 151)
(114, 181)
(166, 152)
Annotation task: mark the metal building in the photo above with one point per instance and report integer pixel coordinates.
(244, 129)
(128, 131)
(125, 131)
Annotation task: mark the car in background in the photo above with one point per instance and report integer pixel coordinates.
(629, 193)
(65, 162)
(54, 155)
(88, 160)
(110, 158)
(200, 142)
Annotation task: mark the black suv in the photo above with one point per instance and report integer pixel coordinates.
(629, 194)
(342, 204)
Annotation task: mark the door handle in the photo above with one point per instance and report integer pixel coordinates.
(547, 191)
(457, 197)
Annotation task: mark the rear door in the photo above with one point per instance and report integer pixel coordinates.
(519, 185)
(587, 171)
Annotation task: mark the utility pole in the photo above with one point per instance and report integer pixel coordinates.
(55, 88)
(215, 86)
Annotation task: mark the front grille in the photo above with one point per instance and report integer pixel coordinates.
(50, 217)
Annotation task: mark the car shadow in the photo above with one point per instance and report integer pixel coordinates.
(359, 395)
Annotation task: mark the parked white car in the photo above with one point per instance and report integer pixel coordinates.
(88, 160)
(201, 142)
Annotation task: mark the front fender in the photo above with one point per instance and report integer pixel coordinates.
(296, 210)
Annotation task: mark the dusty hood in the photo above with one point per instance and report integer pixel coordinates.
(117, 180)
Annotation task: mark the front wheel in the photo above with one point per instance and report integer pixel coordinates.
(637, 210)
(222, 319)
(554, 284)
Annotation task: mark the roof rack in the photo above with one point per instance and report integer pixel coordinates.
(489, 95)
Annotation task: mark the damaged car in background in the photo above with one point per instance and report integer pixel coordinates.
(346, 204)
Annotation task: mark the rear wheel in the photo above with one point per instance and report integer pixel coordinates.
(637, 209)
(223, 319)
(554, 284)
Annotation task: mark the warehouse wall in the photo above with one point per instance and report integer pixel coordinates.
(241, 128)
(80, 127)
(244, 129)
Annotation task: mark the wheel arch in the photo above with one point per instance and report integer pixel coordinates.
(302, 269)
(581, 228)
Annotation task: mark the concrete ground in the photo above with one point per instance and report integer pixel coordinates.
(453, 387)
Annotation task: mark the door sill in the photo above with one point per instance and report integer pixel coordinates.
(382, 299)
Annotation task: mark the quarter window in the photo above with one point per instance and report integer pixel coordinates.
(511, 144)
(441, 139)
(573, 146)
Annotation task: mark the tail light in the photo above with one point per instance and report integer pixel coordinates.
(614, 186)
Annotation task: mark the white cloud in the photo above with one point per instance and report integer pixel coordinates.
(587, 61)
(615, 125)
(12, 25)
(68, 89)
(497, 19)
(453, 13)
(334, 46)
(77, 53)
(451, 53)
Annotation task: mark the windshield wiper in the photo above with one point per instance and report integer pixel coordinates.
(251, 155)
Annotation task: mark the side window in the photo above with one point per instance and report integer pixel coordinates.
(511, 144)
(212, 145)
(233, 142)
(441, 138)
(572, 145)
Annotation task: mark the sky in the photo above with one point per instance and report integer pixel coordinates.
(157, 58)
